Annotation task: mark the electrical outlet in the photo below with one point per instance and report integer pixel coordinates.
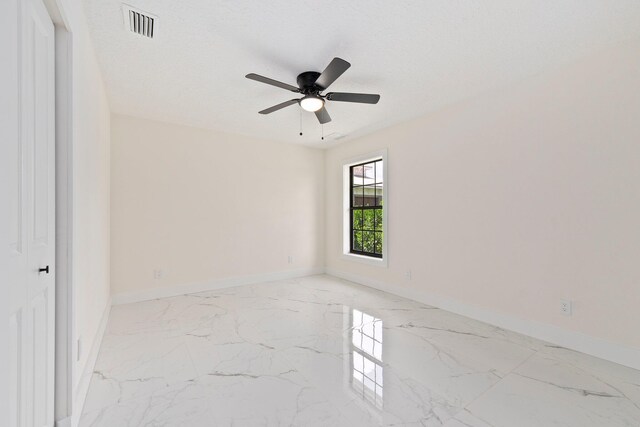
(566, 307)
(290, 259)
(158, 274)
(407, 274)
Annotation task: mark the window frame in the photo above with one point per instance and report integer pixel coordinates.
(347, 254)
(363, 207)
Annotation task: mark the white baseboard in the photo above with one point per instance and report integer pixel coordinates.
(87, 372)
(65, 422)
(569, 339)
(192, 288)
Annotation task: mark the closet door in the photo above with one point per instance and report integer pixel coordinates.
(32, 222)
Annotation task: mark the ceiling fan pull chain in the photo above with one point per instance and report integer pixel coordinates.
(300, 121)
(322, 131)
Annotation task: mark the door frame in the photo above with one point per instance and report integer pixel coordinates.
(65, 334)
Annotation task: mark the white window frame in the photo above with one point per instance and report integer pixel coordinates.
(346, 209)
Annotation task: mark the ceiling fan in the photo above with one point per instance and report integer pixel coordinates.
(311, 84)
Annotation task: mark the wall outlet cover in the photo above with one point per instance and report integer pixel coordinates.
(566, 307)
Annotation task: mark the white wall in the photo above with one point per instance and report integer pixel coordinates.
(516, 199)
(203, 206)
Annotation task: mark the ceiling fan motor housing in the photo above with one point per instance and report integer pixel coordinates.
(307, 82)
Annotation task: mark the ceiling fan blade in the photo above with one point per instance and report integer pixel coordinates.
(363, 98)
(279, 106)
(334, 70)
(323, 116)
(271, 82)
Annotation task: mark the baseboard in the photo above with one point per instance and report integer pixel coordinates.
(87, 373)
(191, 288)
(65, 422)
(569, 339)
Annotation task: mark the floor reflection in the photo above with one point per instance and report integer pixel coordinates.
(366, 357)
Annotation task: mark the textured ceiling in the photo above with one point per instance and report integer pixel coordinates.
(419, 55)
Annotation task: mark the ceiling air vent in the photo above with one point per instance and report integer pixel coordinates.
(139, 22)
(335, 135)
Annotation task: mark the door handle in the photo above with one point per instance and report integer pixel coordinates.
(44, 270)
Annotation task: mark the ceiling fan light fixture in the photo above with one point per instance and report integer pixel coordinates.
(311, 103)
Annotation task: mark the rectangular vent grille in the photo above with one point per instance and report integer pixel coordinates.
(140, 22)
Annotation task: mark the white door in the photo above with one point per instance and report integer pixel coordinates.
(32, 243)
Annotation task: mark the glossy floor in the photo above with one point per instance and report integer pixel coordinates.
(320, 351)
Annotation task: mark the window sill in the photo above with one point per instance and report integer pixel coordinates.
(363, 259)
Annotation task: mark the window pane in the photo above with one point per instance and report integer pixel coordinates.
(357, 174)
(357, 196)
(367, 241)
(378, 244)
(357, 219)
(378, 219)
(379, 172)
(379, 193)
(368, 219)
(357, 240)
(368, 171)
(369, 197)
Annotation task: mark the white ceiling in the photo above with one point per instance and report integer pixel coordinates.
(419, 55)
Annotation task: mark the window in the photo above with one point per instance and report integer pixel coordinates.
(365, 209)
(366, 186)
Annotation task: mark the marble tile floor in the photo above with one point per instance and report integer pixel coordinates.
(320, 351)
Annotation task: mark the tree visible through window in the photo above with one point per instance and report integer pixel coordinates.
(367, 188)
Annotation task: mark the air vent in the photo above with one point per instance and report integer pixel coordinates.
(335, 136)
(139, 22)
